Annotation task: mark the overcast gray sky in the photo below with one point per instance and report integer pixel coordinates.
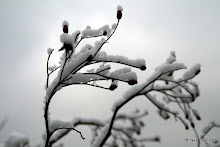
(149, 29)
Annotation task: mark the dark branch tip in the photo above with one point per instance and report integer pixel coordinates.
(197, 72)
(65, 29)
(113, 87)
(132, 82)
(104, 33)
(119, 14)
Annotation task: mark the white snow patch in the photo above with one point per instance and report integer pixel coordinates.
(119, 8)
(65, 23)
(16, 140)
(66, 38)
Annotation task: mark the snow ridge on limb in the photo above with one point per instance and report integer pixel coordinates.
(104, 57)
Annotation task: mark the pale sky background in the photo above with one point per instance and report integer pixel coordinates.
(149, 29)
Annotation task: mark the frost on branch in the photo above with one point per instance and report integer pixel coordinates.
(16, 140)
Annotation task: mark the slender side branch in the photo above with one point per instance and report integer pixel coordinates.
(63, 65)
(68, 129)
(54, 70)
(209, 129)
(99, 61)
(48, 74)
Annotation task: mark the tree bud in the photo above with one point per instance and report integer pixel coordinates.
(119, 14)
(192, 125)
(132, 82)
(65, 29)
(197, 72)
(143, 67)
(112, 87)
(104, 33)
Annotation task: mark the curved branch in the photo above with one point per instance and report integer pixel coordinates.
(108, 38)
(68, 129)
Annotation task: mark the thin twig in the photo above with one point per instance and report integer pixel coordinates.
(68, 129)
(48, 68)
(63, 66)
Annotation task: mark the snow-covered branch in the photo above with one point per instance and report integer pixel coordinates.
(172, 90)
(72, 63)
